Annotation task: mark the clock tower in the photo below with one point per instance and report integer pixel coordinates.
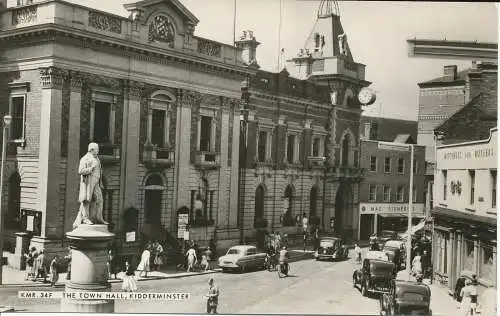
(326, 59)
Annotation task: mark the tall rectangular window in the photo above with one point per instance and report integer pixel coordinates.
(445, 184)
(373, 163)
(401, 165)
(102, 119)
(262, 146)
(493, 188)
(387, 193)
(158, 128)
(472, 178)
(414, 197)
(290, 150)
(415, 166)
(205, 133)
(387, 164)
(400, 194)
(18, 111)
(372, 193)
(315, 147)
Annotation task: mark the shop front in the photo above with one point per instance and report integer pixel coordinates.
(464, 245)
(376, 217)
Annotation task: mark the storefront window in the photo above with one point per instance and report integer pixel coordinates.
(486, 267)
(469, 255)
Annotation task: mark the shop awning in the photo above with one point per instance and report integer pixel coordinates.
(414, 229)
(446, 212)
(399, 215)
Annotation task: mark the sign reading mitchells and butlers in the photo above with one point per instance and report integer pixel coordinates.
(473, 155)
(394, 209)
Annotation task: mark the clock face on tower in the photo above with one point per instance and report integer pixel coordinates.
(366, 96)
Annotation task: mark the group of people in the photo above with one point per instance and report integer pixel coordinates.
(195, 258)
(152, 258)
(36, 266)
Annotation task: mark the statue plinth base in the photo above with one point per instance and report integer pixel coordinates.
(89, 272)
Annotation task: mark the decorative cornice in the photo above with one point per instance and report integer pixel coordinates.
(135, 89)
(52, 77)
(292, 100)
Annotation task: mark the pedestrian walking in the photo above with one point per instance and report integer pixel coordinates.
(316, 238)
(204, 262)
(68, 260)
(41, 267)
(152, 255)
(417, 265)
(158, 256)
(30, 263)
(143, 266)
(357, 253)
(54, 271)
(212, 297)
(191, 258)
(466, 306)
(129, 279)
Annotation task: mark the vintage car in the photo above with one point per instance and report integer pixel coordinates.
(331, 248)
(406, 298)
(242, 257)
(395, 251)
(375, 276)
(386, 235)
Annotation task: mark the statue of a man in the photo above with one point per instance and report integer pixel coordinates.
(90, 197)
(342, 47)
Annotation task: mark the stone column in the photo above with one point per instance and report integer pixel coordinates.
(52, 79)
(224, 189)
(89, 271)
(185, 100)
(167, 128)
(451, 262)
(476, 254)
(150, 124)
(130, 144)
(233, 199)
(72, 176)
(112, 119)
(92, 120)
(459, 251)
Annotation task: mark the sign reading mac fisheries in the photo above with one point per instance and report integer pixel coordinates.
(395, 209)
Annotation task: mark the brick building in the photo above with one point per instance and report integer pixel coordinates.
(384, 191)
(465, 191)
(301, 150)
(162, 103)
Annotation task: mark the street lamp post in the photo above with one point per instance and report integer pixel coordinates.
(7, 119)
(410, 209)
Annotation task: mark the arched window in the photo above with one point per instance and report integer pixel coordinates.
(345, 150)
(14, 202)
(259, 204)
(288, 219)
(153, 205)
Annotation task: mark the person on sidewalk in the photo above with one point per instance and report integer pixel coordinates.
(466, 306)
(68, 260)
(30, 263)
(357, 253)
(54, 271)
(41, 267)
(143, 266)
(204, 262)
(212, 297)
(191, 258)
(158, 256)
(417, 265)
(129, 279)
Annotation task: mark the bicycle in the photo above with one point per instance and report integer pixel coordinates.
(271, 262)
(283, 270)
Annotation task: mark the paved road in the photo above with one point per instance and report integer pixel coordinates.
(313, 287)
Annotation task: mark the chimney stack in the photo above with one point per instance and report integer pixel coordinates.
(248, 44)
(450, 72)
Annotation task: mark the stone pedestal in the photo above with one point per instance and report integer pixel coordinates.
(88, 269)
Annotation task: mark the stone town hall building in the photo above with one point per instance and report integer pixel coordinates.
(164, 106)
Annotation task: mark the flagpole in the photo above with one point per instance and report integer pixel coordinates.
(234, 24)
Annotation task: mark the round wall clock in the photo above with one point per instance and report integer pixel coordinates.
(366, 96)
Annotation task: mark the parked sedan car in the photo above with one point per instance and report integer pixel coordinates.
(375, 276)
(406, 298)
(242, 257)
(386, 235)
(331, 248)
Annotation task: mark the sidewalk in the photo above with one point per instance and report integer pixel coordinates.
(442, 303)
(15, 278)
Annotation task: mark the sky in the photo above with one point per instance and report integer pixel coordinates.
(376, 31)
